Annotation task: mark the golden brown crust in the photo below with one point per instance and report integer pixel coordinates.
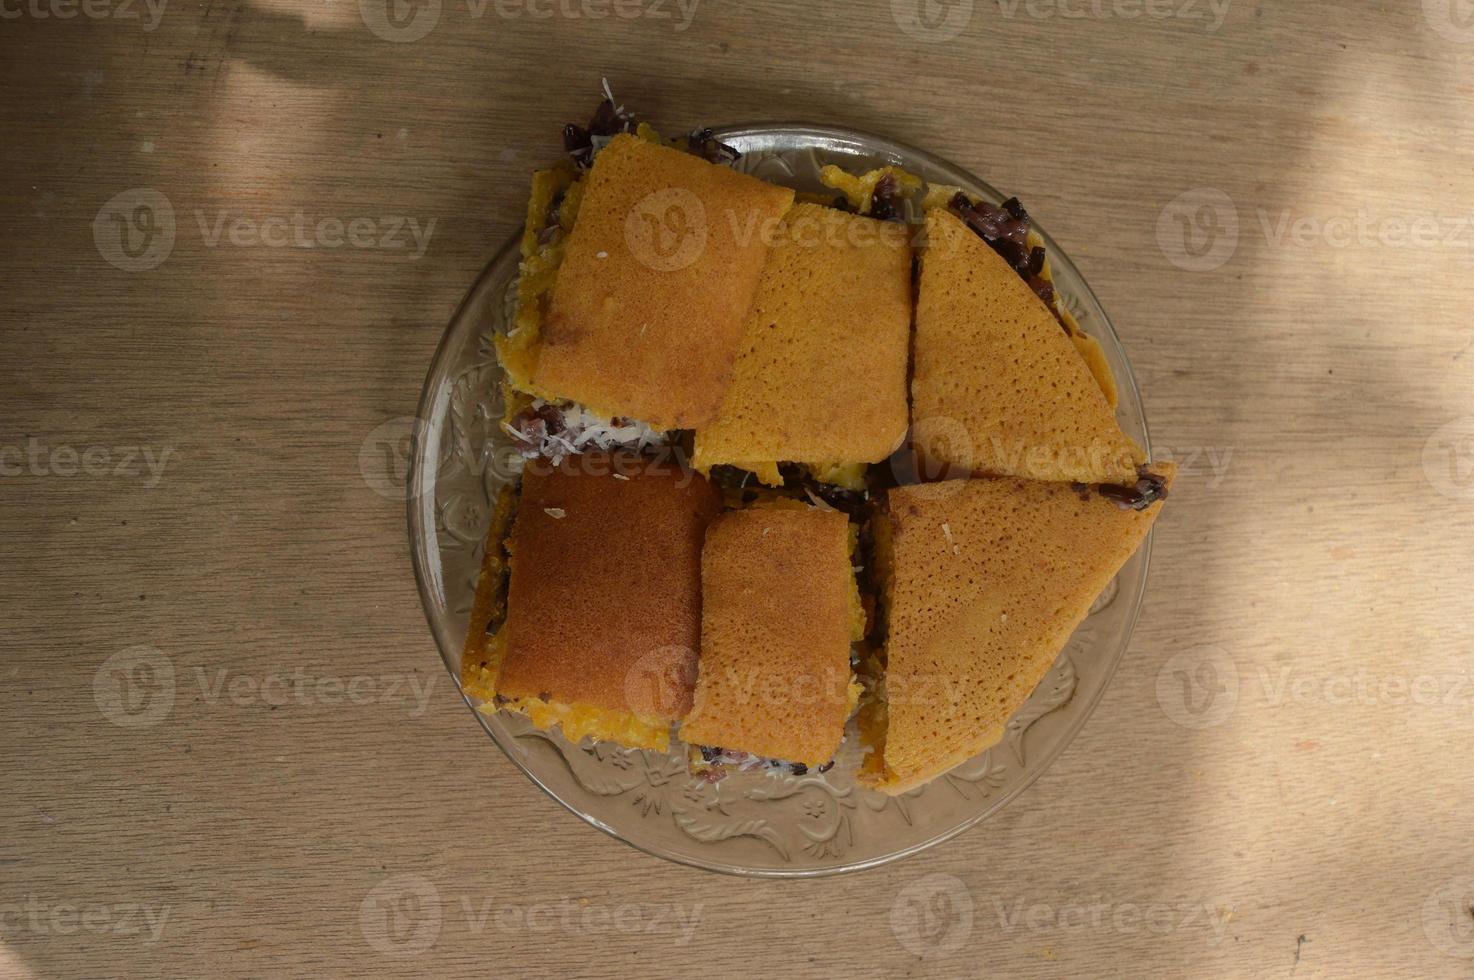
(821, 377)
(489, 607)
(651, 299)
(604, 605)
(998, 387)
(988, 580)
(775, 644)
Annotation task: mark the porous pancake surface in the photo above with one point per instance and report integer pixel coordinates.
(987, 579)
(998, 387)
(604, 602)
(775, 645)
(821, 377)
(651, 299)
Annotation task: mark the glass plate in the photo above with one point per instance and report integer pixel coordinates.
(748, 823)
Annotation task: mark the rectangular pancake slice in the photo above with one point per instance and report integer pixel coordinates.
(821, 377)
(985, 581)
(998, 386)
(603, 599)
(648, 310)
(778, 591)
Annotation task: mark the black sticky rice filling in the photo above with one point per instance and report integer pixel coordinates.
(1006, 230)
(609, 120)
(719, 758)
(1147, 490)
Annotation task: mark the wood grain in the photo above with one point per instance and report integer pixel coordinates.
(1320, 542)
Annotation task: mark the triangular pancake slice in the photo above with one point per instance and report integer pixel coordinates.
(821, 377)
(651, 299)
(999, 387)
(984, 582)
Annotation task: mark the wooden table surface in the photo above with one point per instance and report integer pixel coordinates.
(227, 744)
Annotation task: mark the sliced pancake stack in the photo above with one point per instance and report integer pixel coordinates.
(984, 578)
(601, 618)
(604, 578)
(983, 582)
(778, 602)
(648, 308)
(821, 376)
(666, 294)
(998, 386)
